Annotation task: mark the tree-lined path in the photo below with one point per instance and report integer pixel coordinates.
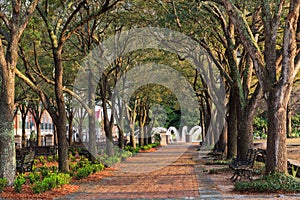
(165, 173)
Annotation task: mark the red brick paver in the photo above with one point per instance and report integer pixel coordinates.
(165, 173)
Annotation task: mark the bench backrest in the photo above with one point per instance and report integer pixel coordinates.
(251, 156)
(29, 157)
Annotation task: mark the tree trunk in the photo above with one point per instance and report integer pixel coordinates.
(108, 125)
(7, 147)
(245, 136)
(109, 142)
(55, 138)
(80, 130)
(141, 136)
(121, 138)
(232, 127)
(132, 137)
(208, 137)
(7, 140)
(62, 146)
(70, 131)
(276, 142)
(61, 113)
(92, 125)
(39, 134)
(221, 145)
(24, 136)
(289, 122)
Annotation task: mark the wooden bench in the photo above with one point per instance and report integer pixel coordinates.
(24, 164)
(45, 150)
(243, 168)
(261, 155)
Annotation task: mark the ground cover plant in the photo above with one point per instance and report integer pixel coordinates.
(272, 183)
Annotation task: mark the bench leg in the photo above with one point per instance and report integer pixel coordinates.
(236, 175)
(249, 175)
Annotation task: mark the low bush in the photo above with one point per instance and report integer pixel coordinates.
(71, 157)
(19, 182)
(155, 144)
(146, 147)
(35, 161)
(33, 177)
(72, 166)
(45, 171)
(126, 154)
(132, 150)
(51, 181)
(3, 183)
(50, 158)
(83, 162)
(98, 167)
(56, 157)
(84, 172)
(111, 160)
(42, 160)
(72, 151)
(277, 182)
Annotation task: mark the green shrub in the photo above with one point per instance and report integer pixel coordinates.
(102, 158)
(71, 157)
(145, 147)
(132, 150)
(84, 172)
(20, 180)
(128, 148)
(3, 183)
(50, 158)
(277, 182)
(33, 177)
(45, 171)
(35, 161)
(39, 187)
(54, 169)
(51, 181)
(56, 157)
(62, 179)
(126, 154)
(42, 160)
(111, 160)
(72, 151)
(83, 162)
(97, 167)
(155, 144)
(72, 166)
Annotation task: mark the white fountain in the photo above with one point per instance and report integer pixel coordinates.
(175, 131)
(184, 132)
(194, 134)
(158, 130)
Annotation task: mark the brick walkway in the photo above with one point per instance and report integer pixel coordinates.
(172, 172)
(167, 173)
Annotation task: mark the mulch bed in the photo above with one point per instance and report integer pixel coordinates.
(27, 192)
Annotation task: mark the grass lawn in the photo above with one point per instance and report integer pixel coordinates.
(288, 140)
